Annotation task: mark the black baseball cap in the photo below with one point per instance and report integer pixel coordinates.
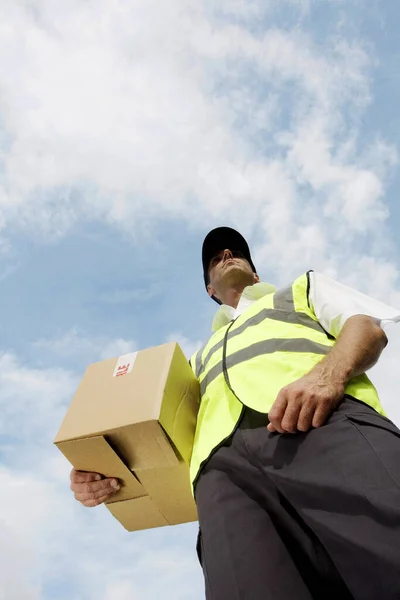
(219, 239)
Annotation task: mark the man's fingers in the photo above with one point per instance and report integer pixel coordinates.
(303, 404)
(95, 486)
(83, 476)
(290, 418)
(305, 420)
(95, 502)
(277, 411)
(82, 494)
(92, 489)
(322, 412)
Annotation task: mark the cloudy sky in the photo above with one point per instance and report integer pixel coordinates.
(128, 129)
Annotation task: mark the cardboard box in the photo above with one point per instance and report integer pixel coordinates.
(134, 418)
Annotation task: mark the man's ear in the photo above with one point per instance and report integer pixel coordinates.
(256, 278)
(211, 291)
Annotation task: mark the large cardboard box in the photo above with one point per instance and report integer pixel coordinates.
(134, 418)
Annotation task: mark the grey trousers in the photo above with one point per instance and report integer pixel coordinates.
(303, 516)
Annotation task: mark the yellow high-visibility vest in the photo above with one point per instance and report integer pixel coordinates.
(274, 342)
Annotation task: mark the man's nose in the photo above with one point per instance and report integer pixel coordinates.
(227, 254)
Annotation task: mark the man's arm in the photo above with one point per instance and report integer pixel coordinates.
(309, 401)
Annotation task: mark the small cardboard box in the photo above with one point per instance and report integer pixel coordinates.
(134, 418)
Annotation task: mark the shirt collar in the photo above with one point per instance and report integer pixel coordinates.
(250, 294)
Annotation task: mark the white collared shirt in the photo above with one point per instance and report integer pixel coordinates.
(333, 303)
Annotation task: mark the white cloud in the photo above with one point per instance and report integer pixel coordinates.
(31, 401)
(188, 346)
(75, 344)
(121, 590)
(116, 118)
(20, 557)
(176, 578)
(385, 375)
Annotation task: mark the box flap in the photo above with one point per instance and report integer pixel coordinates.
(94, 454)
(178, 415)
(143, 446)
(171, 491)
(137, 514)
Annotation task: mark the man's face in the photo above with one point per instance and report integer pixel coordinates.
(228, 269)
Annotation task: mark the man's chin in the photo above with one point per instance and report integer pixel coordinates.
(234, 275)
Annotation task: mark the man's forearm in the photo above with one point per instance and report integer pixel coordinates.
(308, 401)
(357, 349)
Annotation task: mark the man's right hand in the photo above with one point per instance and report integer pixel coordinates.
(91, 489)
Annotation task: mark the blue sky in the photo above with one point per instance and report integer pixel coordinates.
(127, 131)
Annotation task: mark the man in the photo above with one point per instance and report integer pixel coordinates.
(295, 468)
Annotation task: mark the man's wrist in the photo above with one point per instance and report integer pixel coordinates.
(328, 371)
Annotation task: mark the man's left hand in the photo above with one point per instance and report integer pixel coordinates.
(305, 403)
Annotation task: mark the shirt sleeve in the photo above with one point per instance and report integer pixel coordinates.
(333, 303)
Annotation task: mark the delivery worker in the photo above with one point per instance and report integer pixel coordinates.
(295, 467)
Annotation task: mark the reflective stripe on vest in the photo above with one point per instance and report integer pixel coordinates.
(274, 342)
(260, 348)
(283, 311)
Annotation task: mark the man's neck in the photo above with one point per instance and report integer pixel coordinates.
(232, 296)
